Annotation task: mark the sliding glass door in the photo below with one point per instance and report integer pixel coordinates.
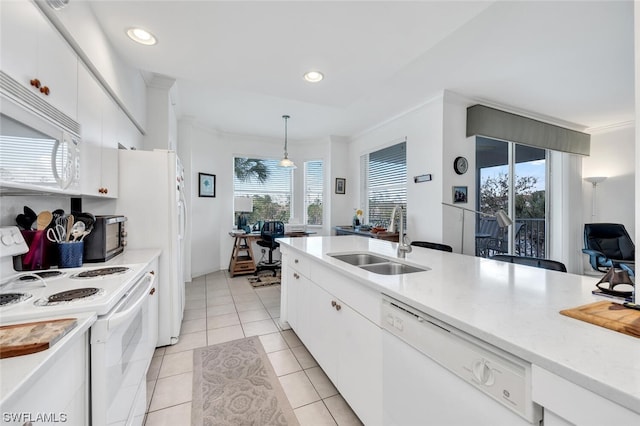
(511, 177)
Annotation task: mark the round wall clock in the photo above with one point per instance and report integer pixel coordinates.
(460, 165)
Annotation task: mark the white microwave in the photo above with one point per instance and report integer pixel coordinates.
(39, 144)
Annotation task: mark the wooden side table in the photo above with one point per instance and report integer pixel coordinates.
(242, 260)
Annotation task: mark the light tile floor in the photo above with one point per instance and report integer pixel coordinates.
(219, 309)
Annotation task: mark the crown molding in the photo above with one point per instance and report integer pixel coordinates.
(611, 127)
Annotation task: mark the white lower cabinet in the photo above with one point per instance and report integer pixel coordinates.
(345, 344)
(566, 403)
(60, 395)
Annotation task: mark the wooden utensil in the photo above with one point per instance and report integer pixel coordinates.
(32, 337)
(44, 219)
(70, 222)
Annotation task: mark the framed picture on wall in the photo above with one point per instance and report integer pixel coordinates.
(459, 194)
(341, 184)
(207, 187)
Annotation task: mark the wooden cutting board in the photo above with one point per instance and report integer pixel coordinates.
(610, 315)
(32, 337)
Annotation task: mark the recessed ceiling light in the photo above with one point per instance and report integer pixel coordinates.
(313, 76)
(141, 36)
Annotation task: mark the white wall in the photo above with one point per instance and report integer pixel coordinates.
(613, 156)
(455, 143)
(341, 205)
(423, 129)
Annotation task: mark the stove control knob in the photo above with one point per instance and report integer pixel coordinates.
(7, 239)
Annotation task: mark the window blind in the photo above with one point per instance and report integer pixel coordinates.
(313, 184)
(271, 198)
(386, 182)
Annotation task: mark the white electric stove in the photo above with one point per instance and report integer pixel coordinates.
(124, 336)
(38, 294)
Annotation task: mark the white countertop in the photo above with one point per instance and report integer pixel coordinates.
(129, 257)
(20, 372)
(513, 307)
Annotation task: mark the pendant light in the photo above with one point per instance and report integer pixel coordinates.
(285, 162)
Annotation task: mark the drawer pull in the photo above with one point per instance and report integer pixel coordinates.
(296, 276)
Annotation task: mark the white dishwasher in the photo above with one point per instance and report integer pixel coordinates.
(435, 374)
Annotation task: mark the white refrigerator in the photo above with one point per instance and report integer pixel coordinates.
(151, 196)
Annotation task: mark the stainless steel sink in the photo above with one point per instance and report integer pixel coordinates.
(358, 259)
(377, 264)
(392, 268)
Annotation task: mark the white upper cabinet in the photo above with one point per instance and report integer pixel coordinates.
(98, 115)
(36, 55)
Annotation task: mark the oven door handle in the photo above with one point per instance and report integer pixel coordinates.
(125, 315)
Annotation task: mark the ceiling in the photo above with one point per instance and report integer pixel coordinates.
(239, 65)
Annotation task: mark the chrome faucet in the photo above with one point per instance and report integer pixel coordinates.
(403, 246)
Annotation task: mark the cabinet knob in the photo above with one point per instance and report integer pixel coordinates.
(296, 276)
(295, 261)
(334, 303)
(35, 83)
(338, 307)
(106, 191)
(45, 90)
(153, 291)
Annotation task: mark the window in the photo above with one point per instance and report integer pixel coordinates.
(385, 180)
(512, 177)
(268, 185)
(313, 189)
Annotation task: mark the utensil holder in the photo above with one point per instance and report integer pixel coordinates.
(42, 253)
(70, 254)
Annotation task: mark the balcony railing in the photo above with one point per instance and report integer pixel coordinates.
(530, 235)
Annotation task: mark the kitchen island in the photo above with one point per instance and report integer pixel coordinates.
(510, 307)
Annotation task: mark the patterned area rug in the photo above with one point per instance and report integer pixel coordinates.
(264, 278)
(234, 384)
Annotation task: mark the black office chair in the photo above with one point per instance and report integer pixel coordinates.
(435, 246)
(268, 234)
(609, 244)
(553, 265)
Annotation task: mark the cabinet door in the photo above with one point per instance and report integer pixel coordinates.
(322, 330)
(19, 34)
(111, 134)
(98, 116)
(90, 118)
(291, 279)
(360, 365)
(33, 49)
(61, 390)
